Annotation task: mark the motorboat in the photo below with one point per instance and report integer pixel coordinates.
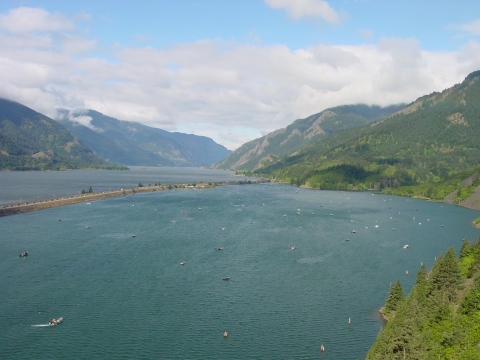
(182, 263)
(353, 231)
(55, 322)
(292, 247)
(219, 248)
(405, 246)
(226, 278)
(23, 254)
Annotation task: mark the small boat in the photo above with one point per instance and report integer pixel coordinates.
(86, 227)
(23, 254)
(226, 278)
(347, 239)
(354, 231)
(55, 322)
(376, 226)
(219, 248)
(182, 263)
(405, 246)
(225, 334)
(174, 221)
(292, 247)
(322, 348)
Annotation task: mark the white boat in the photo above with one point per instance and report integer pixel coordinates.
(292, 247)
(405, 246)
(55, 322)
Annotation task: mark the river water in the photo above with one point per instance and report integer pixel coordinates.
(112, 270)
(16, 186)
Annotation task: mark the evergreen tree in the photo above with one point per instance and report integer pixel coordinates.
(395, 297)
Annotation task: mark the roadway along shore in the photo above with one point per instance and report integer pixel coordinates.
(26, 206)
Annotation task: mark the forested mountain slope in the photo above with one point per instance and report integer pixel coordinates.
(440, 318)
(131, 143)
(462, 189)
(302, 133)
(435, 136)
(32, 141)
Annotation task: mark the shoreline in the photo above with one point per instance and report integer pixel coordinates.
(33, 205)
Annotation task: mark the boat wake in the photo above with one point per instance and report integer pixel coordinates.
(41, 325)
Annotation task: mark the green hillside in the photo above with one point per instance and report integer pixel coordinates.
(430, 139)
(440, 318)
(301, 133)
(132, 143)
(459, 187)
(32, 141)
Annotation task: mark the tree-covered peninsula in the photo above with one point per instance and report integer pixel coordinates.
(440, 318)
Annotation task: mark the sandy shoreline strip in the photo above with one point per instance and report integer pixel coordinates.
(27, 206)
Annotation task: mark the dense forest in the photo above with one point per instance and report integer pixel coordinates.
(440, 318)
(462, 185)
(429, 140)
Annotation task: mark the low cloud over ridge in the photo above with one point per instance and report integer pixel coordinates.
(224, 90)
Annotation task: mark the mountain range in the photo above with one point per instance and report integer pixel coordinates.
(426, 141)
(302, 133)
(32, 141)
(88, 139)
(132, 143)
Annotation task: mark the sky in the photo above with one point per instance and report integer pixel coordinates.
(232, 70)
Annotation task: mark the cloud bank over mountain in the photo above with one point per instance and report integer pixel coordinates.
(229, 91)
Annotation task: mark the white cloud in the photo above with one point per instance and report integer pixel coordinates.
(25, 19)
(297, 9)
(472, 28)
(223, 90)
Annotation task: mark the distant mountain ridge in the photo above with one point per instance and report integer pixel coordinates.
(428, 140)
(302, 133)
(132, 143)
(32, 141)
